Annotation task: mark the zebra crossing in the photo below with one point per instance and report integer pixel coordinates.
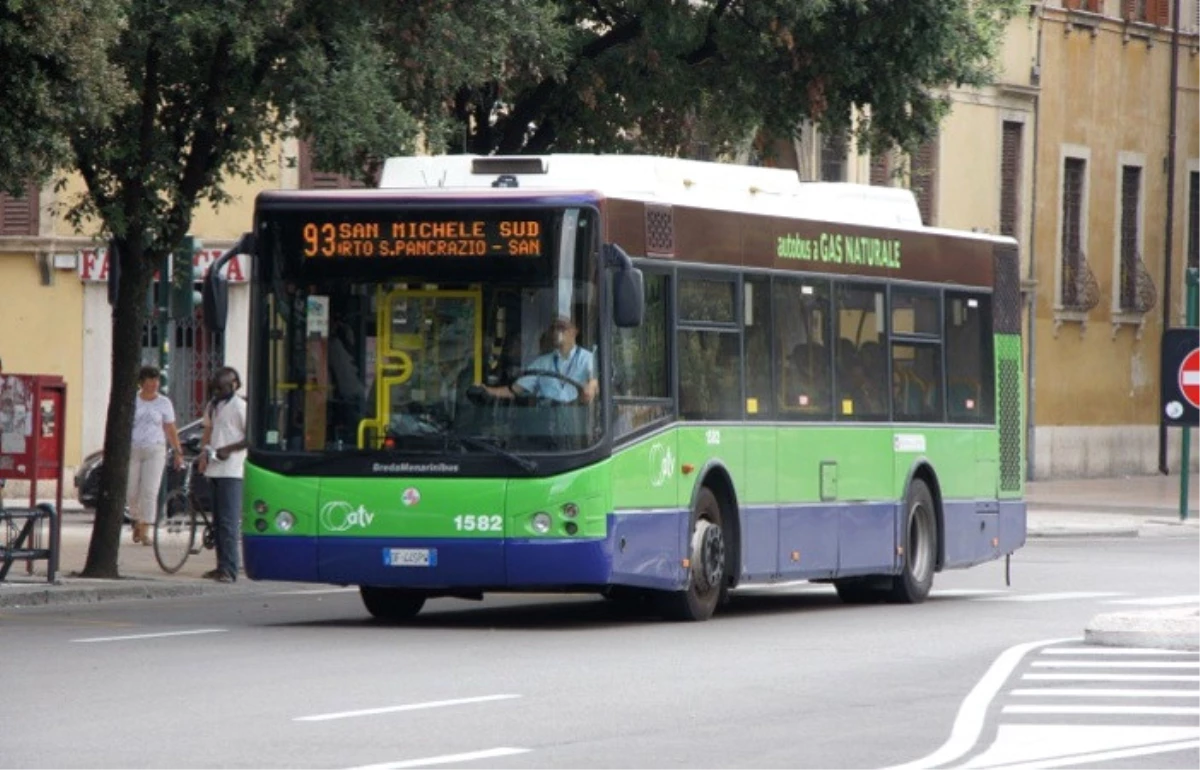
(1071, 705)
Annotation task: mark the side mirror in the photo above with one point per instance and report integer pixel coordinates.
(629, 298)
(629, 292)
(215, 294)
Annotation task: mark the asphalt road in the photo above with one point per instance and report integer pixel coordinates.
(784, 677)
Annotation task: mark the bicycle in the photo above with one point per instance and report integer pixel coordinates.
(183, 515)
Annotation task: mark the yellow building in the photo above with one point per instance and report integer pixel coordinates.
(1068, 153)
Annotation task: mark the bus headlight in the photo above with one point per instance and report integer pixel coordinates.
(570, 510)
(260, 507)
(541, 522)
(284, 521)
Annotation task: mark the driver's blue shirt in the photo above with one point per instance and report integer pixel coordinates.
(578, 365)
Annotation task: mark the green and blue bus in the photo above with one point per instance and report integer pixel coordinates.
(770, 381)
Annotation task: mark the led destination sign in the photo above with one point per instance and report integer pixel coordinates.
(449, 237)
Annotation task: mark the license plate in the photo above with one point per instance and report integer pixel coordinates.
(410, 557)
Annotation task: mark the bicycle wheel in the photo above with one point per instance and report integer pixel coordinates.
(174, 532)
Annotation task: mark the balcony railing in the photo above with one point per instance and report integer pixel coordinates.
(1138, 292)
(1080, 290)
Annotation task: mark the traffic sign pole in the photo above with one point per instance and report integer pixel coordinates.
(1185, 467)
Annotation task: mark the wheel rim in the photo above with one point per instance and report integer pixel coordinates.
(173, 540)
(920, 541)
(708, 555)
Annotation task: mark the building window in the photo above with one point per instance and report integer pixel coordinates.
(312, 179)
(1131, 186)
(1156, 12)
(19, 215)
(924, 179)
(1074, 170)
(833, 156)
(1010, 177)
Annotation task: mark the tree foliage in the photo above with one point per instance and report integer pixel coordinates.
(54, 76)
(650, 75)
(157, 103)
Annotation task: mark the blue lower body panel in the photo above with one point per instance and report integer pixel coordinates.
(641, 549)
(646, 549)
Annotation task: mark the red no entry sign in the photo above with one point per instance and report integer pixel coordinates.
(1189, 378)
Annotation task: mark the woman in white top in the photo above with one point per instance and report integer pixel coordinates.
(153, 427)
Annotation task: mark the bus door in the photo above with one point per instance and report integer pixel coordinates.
(429, 349)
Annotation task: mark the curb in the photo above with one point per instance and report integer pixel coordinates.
(1175, 629)
(1064, 532)
(122, 589)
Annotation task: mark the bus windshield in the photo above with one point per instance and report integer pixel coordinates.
(430, 332)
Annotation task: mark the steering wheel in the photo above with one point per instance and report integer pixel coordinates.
(527, 396)
(478, 395)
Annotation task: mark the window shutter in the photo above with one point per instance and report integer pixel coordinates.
(19, 216)
(923, 180)
(1127, 9)
(312, 179)
(1010, 177)
(879, 170)
(1162, 12)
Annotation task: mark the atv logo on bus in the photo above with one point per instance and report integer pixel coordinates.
(340, 516)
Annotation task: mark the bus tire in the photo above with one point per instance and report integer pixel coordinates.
(707, 571)
(391, 603)
(920, 543)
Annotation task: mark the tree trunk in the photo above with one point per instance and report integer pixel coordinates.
(128, 317)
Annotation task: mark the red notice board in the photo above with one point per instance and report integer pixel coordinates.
(32, 424)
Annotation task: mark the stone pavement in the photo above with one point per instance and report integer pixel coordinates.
(1115, 507)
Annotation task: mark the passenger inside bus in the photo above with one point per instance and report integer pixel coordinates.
(808, 378)
(861, 380)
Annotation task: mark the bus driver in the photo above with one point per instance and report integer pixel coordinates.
(566, 363)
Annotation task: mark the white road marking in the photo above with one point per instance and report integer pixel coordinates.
(131, 637)
(971, 714)
(1052, 597)
(1033, 747)
(1114, 677)
(949, 593)
(314, 591)
(1158, 601)
(1123, 710)
(1101, 692)
(433, 704)
(1118, 651)
(446, 759)
(1111, 664)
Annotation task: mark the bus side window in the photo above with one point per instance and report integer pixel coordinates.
(640, 367)
(802, 349)
(969, 357)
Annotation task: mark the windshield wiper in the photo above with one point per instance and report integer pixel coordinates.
(476, 442)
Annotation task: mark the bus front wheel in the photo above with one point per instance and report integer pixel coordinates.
(707, 563)
(912, 585)
(391, 603)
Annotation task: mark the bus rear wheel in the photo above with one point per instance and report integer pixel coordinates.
(707, 565)
(391, 603)
(915, 580)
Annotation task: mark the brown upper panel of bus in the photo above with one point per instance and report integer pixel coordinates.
(755, 241)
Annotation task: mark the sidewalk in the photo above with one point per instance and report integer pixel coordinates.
(1120, 507)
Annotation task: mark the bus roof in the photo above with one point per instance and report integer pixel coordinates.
(674, 181)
